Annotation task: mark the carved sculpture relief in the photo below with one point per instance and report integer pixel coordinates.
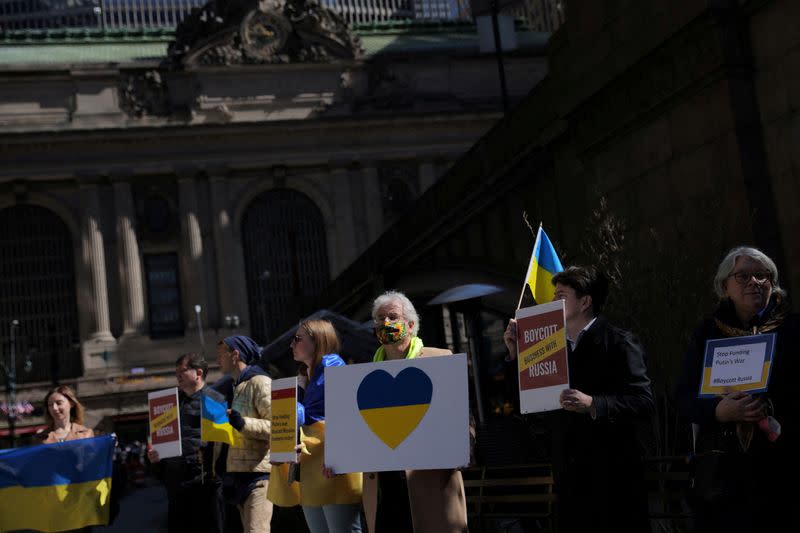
(274, 31)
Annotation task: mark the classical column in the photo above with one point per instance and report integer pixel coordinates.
(345, 251)
(130, 267)
(191, 252)
(231, 279)
(94, 258)
(374, 203)
(427, 175)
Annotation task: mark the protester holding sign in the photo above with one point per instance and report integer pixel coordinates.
(435, 497)
(746, 444)
(598, 454)
(331, 503)
(193, 491)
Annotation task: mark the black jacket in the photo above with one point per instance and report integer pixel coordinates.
(741, 490)
(191, 467)
(598, 461)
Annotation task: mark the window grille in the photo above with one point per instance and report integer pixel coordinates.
(37, 287)
(163, 295)
(286, 260)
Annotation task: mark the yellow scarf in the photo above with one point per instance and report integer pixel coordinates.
(414, 349)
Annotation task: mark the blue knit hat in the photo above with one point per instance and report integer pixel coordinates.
(249, 351)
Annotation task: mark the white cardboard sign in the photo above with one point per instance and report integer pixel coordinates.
(397, 415)
(542, 356)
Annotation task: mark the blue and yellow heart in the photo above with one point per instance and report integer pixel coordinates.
(393, 407)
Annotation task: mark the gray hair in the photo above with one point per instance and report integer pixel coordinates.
(409, 312)
(726, 267)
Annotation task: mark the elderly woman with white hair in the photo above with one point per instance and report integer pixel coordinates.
(746, 445)
(423, 501)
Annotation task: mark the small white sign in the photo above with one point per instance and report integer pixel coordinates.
(737, 363)
(397, 415)
(283, 435)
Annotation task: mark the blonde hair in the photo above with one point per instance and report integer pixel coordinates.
(76, 409)
(323, 335)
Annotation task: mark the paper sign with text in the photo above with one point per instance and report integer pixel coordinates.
(737, 363)
(397, 415)
(283, 439)
(165, 422)
(541, 356)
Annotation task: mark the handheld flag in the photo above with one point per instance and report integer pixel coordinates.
(56, 487)
(543, 266)
(214, 423)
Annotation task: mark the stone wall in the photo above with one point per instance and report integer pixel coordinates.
(641, 151)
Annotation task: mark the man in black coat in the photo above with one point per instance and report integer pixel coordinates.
(598, 454)
(193, 491)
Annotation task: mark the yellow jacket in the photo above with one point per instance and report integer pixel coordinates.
(314, 489)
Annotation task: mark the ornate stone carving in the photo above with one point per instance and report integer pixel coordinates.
(143, 93)
(274, 31)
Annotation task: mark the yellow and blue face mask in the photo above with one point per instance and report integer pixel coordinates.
(391, 332)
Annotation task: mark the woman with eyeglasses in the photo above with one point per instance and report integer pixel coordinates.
(746, 445)
(331, 503)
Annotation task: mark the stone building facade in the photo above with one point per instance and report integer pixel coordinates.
(132, 193)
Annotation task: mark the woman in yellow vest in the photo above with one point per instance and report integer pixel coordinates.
(331, 503)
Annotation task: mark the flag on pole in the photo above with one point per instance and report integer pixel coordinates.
(56, 487)
(214, 423)
(543, 266)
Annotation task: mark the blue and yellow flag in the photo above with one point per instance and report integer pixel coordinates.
(56, 487)
(214, 423)
(543, 266)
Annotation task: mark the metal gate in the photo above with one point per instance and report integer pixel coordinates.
(286, 260)
(37, 288)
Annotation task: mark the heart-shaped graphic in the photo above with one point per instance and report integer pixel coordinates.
(393, 407)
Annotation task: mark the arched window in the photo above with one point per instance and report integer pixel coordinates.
(286, 260)
(37, 287)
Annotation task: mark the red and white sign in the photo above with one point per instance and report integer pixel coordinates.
(165, 422)
(542, 356)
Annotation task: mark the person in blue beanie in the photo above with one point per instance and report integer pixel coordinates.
(246, 479)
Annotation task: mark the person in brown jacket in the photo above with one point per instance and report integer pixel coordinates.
(423, 501)
(64, 415)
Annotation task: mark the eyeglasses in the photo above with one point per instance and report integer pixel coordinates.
(388, 318)
(743, 278)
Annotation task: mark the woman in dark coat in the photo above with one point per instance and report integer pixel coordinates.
(742, 460)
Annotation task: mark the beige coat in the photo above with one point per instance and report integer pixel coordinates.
(76, 431)
(438, 504)
(253, 400)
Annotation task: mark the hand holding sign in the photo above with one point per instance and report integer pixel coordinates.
(738, 406)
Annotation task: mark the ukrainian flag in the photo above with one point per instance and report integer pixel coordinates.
(56, 487)
(543, 266)
(214, 423)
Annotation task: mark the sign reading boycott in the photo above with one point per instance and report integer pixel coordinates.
(737, 363)
(283, 437)
(542, 356)
(165, 423)
(397, 415)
